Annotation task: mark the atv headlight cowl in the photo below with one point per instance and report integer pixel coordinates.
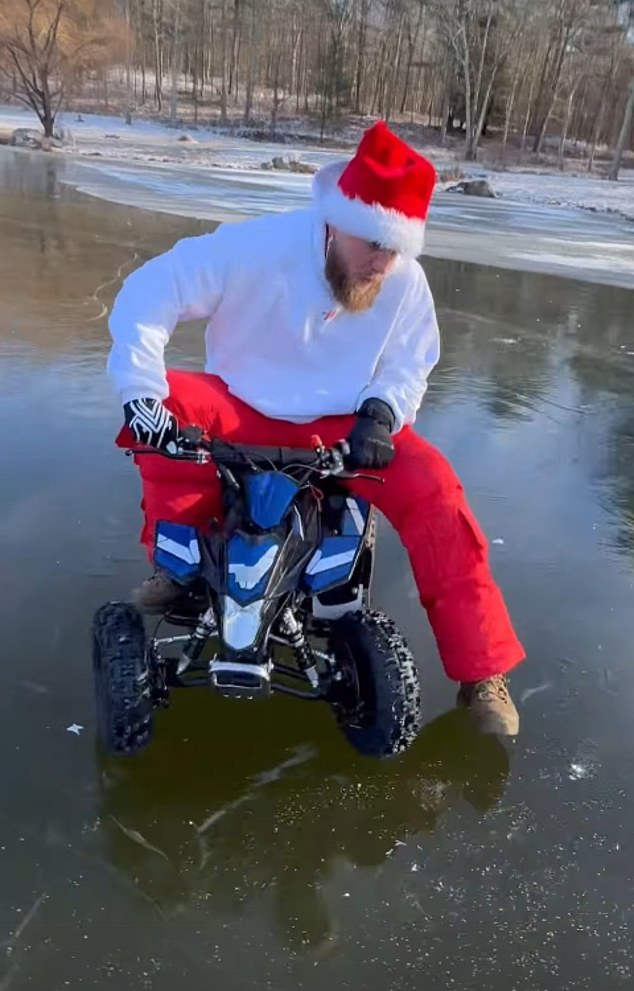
(241, 624)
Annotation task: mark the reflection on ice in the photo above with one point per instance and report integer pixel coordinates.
(496, 232)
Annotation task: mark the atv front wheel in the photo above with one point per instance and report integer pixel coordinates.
(120, 670)
(377, 702)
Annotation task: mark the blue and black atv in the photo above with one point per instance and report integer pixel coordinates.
(276, 598)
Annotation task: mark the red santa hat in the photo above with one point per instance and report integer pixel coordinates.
(382, 194)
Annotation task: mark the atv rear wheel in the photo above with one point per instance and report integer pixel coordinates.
(378, 700)
(122, 685)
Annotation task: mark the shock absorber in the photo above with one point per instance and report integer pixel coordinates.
(205, 627)
(294, 633)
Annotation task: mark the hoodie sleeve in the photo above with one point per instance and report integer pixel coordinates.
(411, 352)
(184, 283)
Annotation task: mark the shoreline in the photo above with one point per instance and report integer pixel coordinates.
(109, 138)
(221, 178)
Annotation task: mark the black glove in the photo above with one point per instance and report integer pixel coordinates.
(152, 424)
(370, 439)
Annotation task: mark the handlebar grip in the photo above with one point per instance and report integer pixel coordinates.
(281, 457)
(231, 454)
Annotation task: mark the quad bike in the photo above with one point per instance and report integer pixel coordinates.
(289, 567)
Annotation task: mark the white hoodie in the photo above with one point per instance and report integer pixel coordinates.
(275, 334)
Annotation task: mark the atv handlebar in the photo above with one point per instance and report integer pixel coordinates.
(233, 455)
(193, 446)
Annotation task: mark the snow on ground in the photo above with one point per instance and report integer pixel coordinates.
(588, 193)
(95, 136)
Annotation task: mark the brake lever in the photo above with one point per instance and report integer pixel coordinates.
(180, 454)
(362, 474)
(228, 476)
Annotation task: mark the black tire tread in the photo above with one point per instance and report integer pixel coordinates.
(387, 667)
(124, 706)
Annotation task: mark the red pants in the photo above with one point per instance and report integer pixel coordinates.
(422, 498)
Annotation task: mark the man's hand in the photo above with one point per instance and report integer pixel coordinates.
(152, 424)
(370, 439)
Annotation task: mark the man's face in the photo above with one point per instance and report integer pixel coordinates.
(356, 269)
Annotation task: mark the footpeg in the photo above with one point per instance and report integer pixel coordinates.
(233, 679)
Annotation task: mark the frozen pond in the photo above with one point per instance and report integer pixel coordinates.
(250, 848)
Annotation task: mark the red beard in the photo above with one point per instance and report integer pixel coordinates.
(353, 294)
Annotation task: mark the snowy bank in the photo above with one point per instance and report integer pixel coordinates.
(566, 190)
(533, 224)
(109, 137)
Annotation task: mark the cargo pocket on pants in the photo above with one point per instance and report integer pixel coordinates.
(473, 533)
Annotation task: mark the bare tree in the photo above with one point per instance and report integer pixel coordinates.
(479, 34)
(522, 74)
(624, 134)
(338, 19)
(174, 56)
(48, 44)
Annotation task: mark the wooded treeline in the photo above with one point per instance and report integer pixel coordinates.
(533, 74)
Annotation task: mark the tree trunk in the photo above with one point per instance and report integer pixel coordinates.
(276, 92)
(301, 72)
(478, 82)
(566, 125)
(377, 97)
(624, 135)
(175, 53)
(235, 50)
(444, 113)
(553, 90)
(223, 85)
(408, 70)
(208, 73)
(466, 66)
(412, 47)
(251, 64)
(599, 119)
(395, 60)
(293, 82)
(527, 117)
(158, 69)
(361, 40)
(128, 53)
(47, 116)
(477, 133)
(47, 119)
(510, 103)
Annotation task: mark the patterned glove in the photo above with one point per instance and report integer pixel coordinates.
(152, 424)
(370, 439)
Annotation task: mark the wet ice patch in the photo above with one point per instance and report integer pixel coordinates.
(529, 692)
(584, 765)
(577, 771)
(136, 837)
(432, 795)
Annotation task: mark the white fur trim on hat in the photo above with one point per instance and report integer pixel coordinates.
(389, 228)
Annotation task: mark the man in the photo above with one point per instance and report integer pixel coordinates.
(320, 321)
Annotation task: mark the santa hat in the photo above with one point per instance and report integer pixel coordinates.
(382, 194)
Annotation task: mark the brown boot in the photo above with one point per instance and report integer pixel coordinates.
(156, 593)
(491, 705)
